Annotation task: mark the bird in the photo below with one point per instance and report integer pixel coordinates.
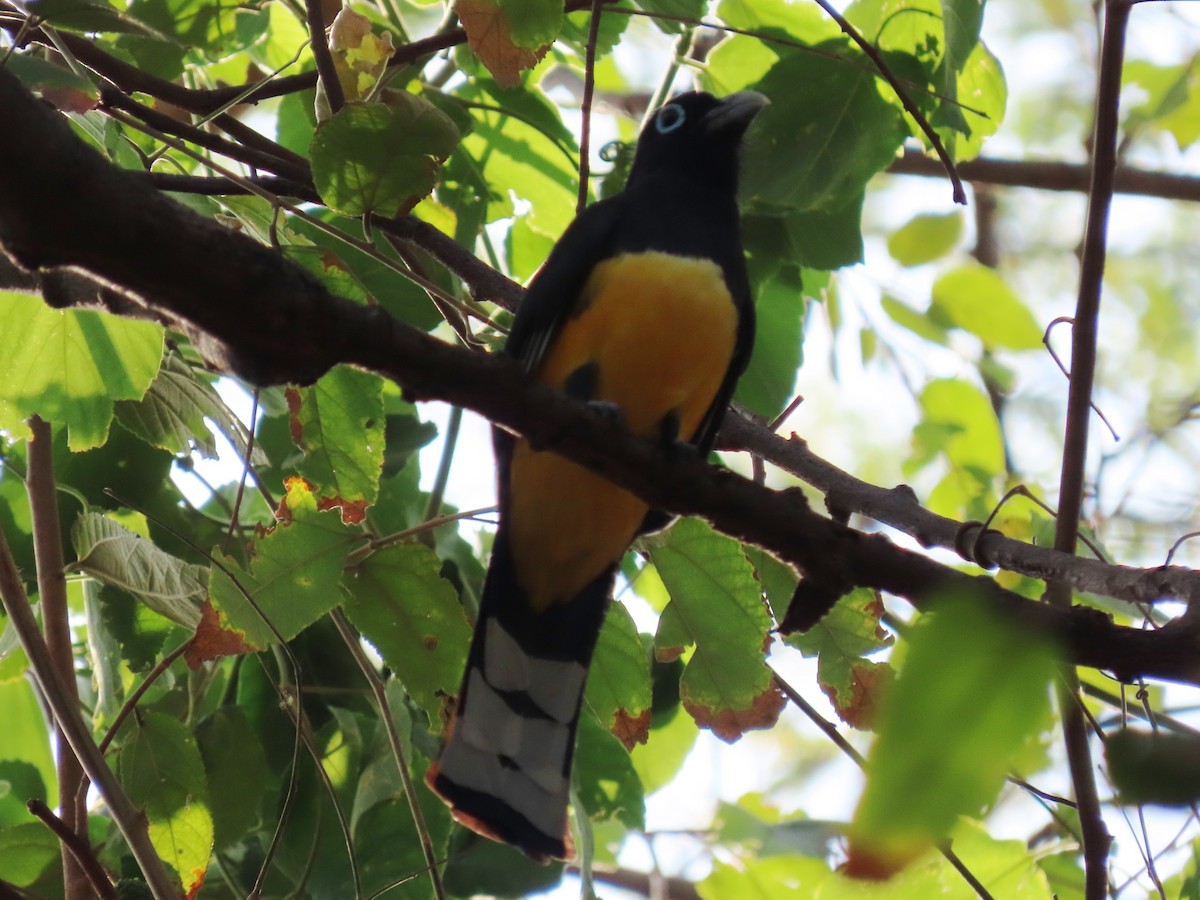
(643, 308)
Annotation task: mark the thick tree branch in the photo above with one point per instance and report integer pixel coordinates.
(279, 324)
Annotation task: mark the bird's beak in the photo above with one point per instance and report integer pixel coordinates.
(735, 112)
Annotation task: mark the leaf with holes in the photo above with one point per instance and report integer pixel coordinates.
(402, 604)
(294, 577)
(339, 424)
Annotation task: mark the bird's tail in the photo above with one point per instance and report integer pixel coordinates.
(505, 770)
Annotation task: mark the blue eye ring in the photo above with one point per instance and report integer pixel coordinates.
(669, 118)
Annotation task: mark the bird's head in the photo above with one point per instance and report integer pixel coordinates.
(698, 134)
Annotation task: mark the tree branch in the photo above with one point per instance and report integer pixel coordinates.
(79, 848)
(1053, 176)
(129, 819)
(276, 323)
(898, 508)
(52, 589)
(1096, 839)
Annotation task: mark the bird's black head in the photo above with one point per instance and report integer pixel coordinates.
(698, 135)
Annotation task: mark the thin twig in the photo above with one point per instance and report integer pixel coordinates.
(885, 71)
(113, 99)
(129, 820)
(326, 70)
(1096, 839)
(78, 847)
(385, 714)
(1062, 368)
(52, 589)
(847, 748)
(589, 87)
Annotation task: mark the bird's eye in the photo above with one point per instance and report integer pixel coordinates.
(669, 118)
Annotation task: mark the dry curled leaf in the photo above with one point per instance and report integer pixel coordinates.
(490, 39)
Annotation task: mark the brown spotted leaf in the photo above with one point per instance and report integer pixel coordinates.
(618, 685)
(731, 724)
(212, 641)
(856, 694)
(717, 605)
(509, 37)
(841, 641)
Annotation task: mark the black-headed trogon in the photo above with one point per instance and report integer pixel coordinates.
(644, 306)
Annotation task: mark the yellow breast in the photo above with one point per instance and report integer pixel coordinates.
(661, 331)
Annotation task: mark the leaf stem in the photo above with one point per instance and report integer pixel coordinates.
(379, 690)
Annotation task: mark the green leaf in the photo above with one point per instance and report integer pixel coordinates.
(826, 238)
(958, 422)
(70, 365)
(137, 629)
(172, 414)
(162, 771)
(753, 822)
(925, 237)
(25, 736)
(389, 849)
(236, 771)
(116, 556)
(608, 786)
(518, 153)
(770, 379)
(689, 9)
(806, 153)
(532, 23)
(658, 761)
(840, 641)
(717, 605)
(54, 82)
(380, 159)
(90, 16)
(294, 575)
(339, 424)
(618, 682)
(1154, 767)
(27, 850)
(919, 323)
(479, 866)
(402, 605)
(946, 744)
(20, 782)
(976, 299)
(983, 91)
(762, 879)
